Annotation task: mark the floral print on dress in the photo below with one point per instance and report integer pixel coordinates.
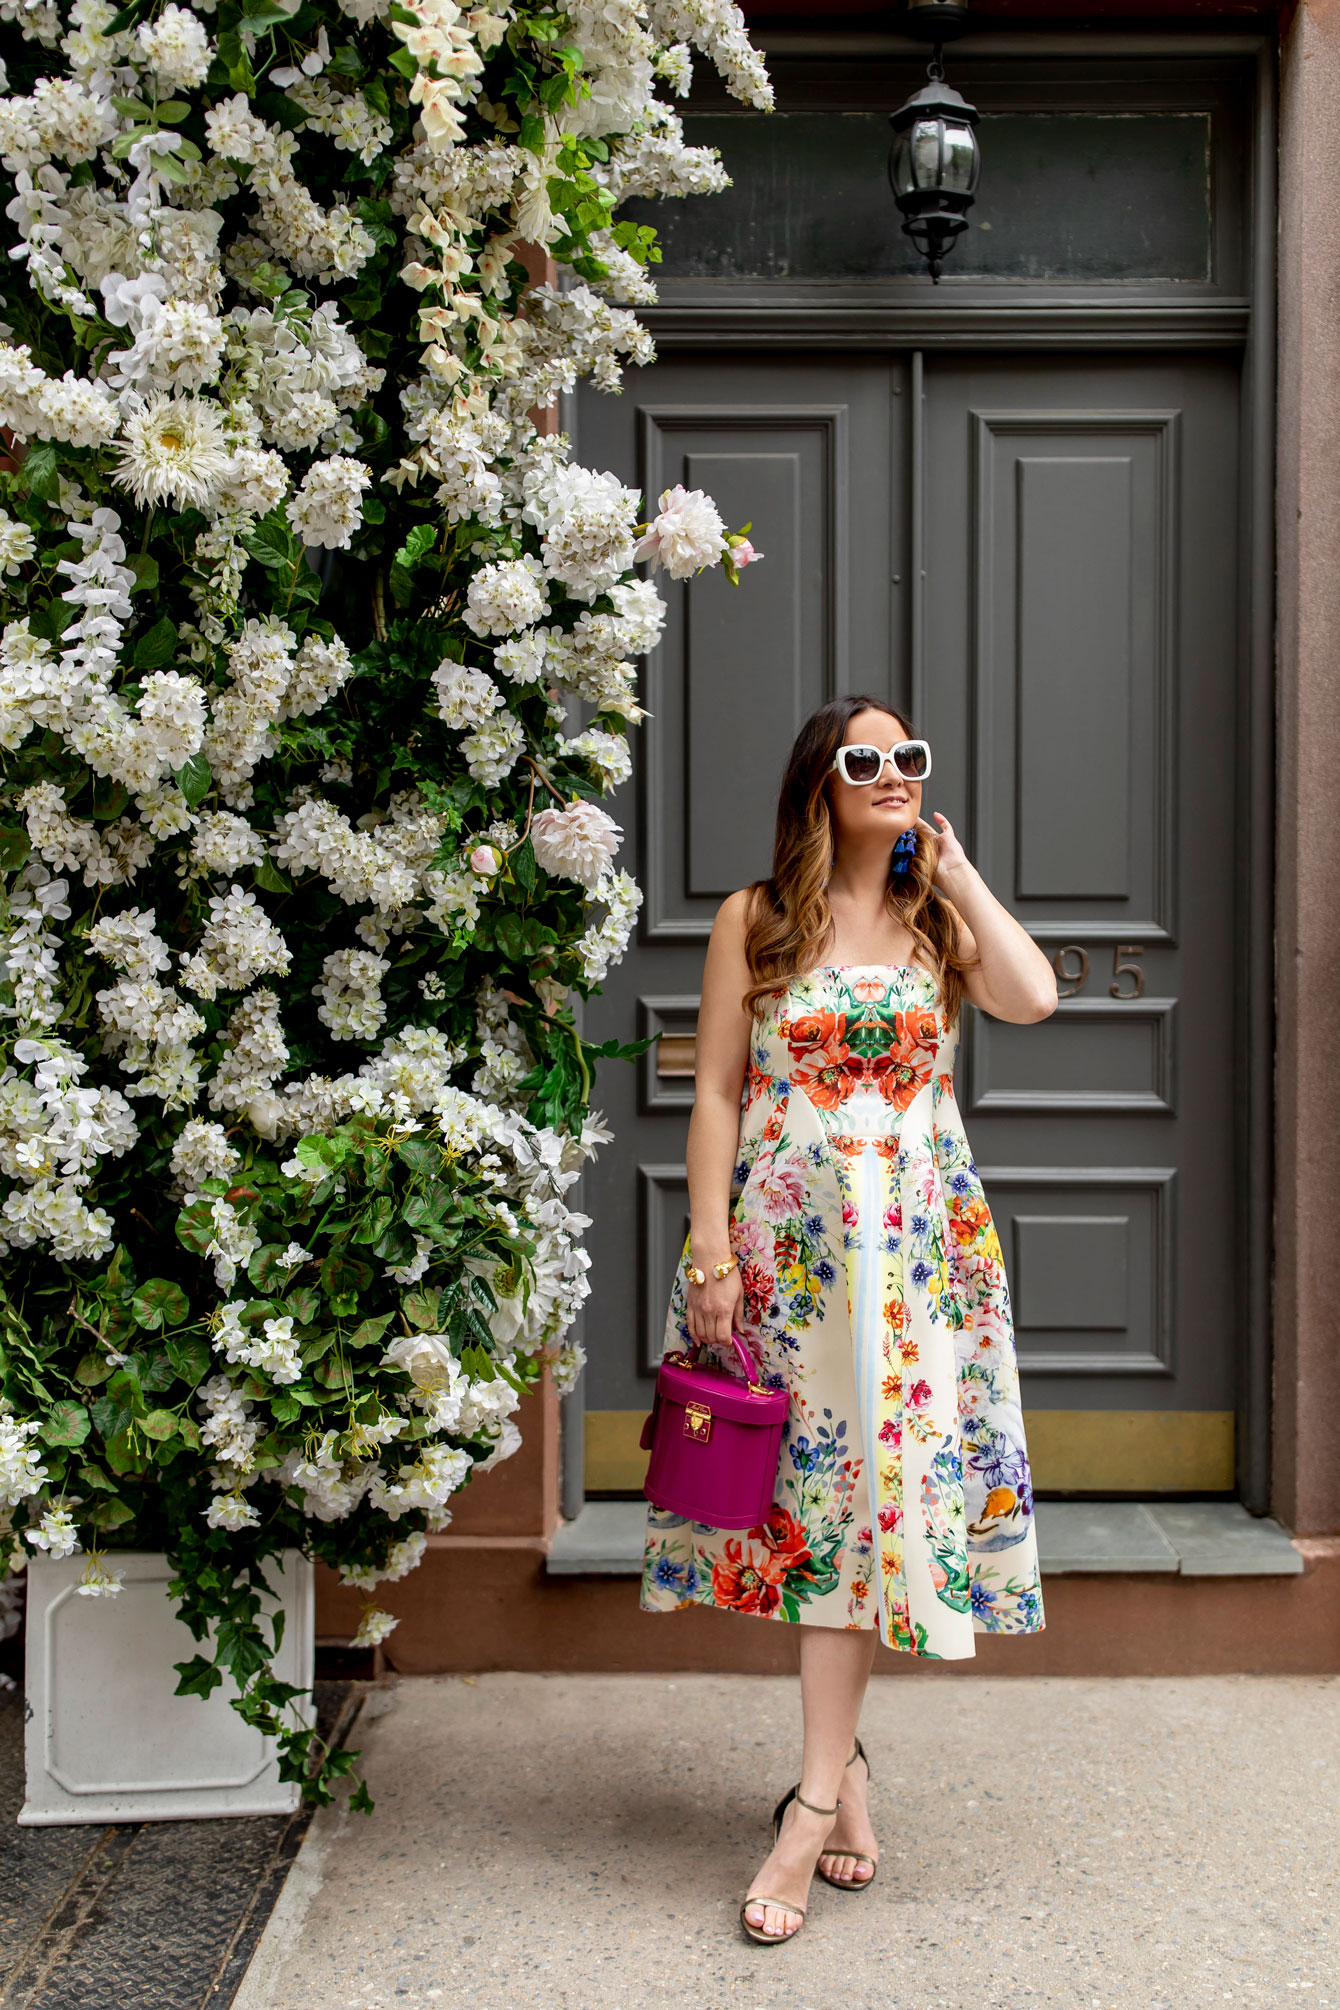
(875, 1294)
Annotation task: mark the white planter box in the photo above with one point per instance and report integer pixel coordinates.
(107, 1740)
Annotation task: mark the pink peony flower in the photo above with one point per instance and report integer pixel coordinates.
(686, 533)
(576, 843)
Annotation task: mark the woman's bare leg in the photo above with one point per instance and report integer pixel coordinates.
(834, 1668)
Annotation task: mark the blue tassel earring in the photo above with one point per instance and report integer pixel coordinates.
(904, 852)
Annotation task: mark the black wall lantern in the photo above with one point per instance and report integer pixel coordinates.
(935, 162)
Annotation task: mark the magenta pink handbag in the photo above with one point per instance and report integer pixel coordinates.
(714, 1441)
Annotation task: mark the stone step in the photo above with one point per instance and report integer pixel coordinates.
(1187, 1538)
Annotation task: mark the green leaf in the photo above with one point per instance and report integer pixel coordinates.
(159, 1424)
(369, 1333)
(109, 800)
(341, 1274)
(41, 470)
(121, 1272)
(14, 848)
(157, 646)
(109, 1514)
(66, 1423)
(265, 1269)
(417, 545)
(143, 564)
(195, 1226)
(195, 781)
(189, 1355)
(199, 1676)
(360, 1800)
(160, 1303)
(420, 1308)
(123, 1455)
(127, 17)
(268, 876)
(93, 1369)
(376, 1220)
(304, 1303)
(273, 545)
(524, 866)
(280, 110)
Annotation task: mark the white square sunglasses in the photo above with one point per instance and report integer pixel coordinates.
(863, 765)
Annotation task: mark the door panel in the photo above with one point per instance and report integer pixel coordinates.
(1080, 521)
(808, 455)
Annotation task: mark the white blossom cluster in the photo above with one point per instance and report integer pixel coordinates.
(233, 388)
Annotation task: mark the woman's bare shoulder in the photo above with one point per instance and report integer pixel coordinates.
(734, 915)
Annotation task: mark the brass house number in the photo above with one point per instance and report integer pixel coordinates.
(1071, 965)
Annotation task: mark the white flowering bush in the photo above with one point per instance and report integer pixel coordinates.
(317, 656)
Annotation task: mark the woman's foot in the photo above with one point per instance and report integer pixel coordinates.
(851, 1836)
(788, 1872)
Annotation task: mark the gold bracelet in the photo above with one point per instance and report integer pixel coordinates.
(719, 1270)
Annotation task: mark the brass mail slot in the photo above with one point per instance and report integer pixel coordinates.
(676, 1054)
(697, 1422)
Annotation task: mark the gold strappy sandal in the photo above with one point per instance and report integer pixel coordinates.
(783, 1904)
(858, 1855)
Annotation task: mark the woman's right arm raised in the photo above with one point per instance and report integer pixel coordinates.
(724, 1032)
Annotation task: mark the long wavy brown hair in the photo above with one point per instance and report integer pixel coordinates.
(789, 919)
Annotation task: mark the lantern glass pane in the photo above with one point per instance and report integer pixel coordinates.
(901, 173)
(927, 138)
(961, 158)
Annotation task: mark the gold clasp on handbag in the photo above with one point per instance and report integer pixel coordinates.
(697, 1422)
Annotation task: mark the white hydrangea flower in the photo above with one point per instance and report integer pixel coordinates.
(466, 696)
(521, 657)
(374, 1627)
(17, 544)
(587, 525)
(493, 749)
(176, 48)
(202, 1152)
(504, 597)
(327, 509)
(223, 843)
(608, 754)
(352, 1005)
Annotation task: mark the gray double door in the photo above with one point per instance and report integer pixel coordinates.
(1035, 558)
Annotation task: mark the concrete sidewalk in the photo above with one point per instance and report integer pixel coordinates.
(583, 1842)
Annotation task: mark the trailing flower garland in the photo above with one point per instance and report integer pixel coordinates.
(302, 862)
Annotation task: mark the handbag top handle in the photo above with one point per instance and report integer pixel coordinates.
(744, 1354)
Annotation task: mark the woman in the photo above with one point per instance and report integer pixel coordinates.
(837, 1221)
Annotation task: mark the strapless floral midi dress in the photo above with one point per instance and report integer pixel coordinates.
(875, 1293)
